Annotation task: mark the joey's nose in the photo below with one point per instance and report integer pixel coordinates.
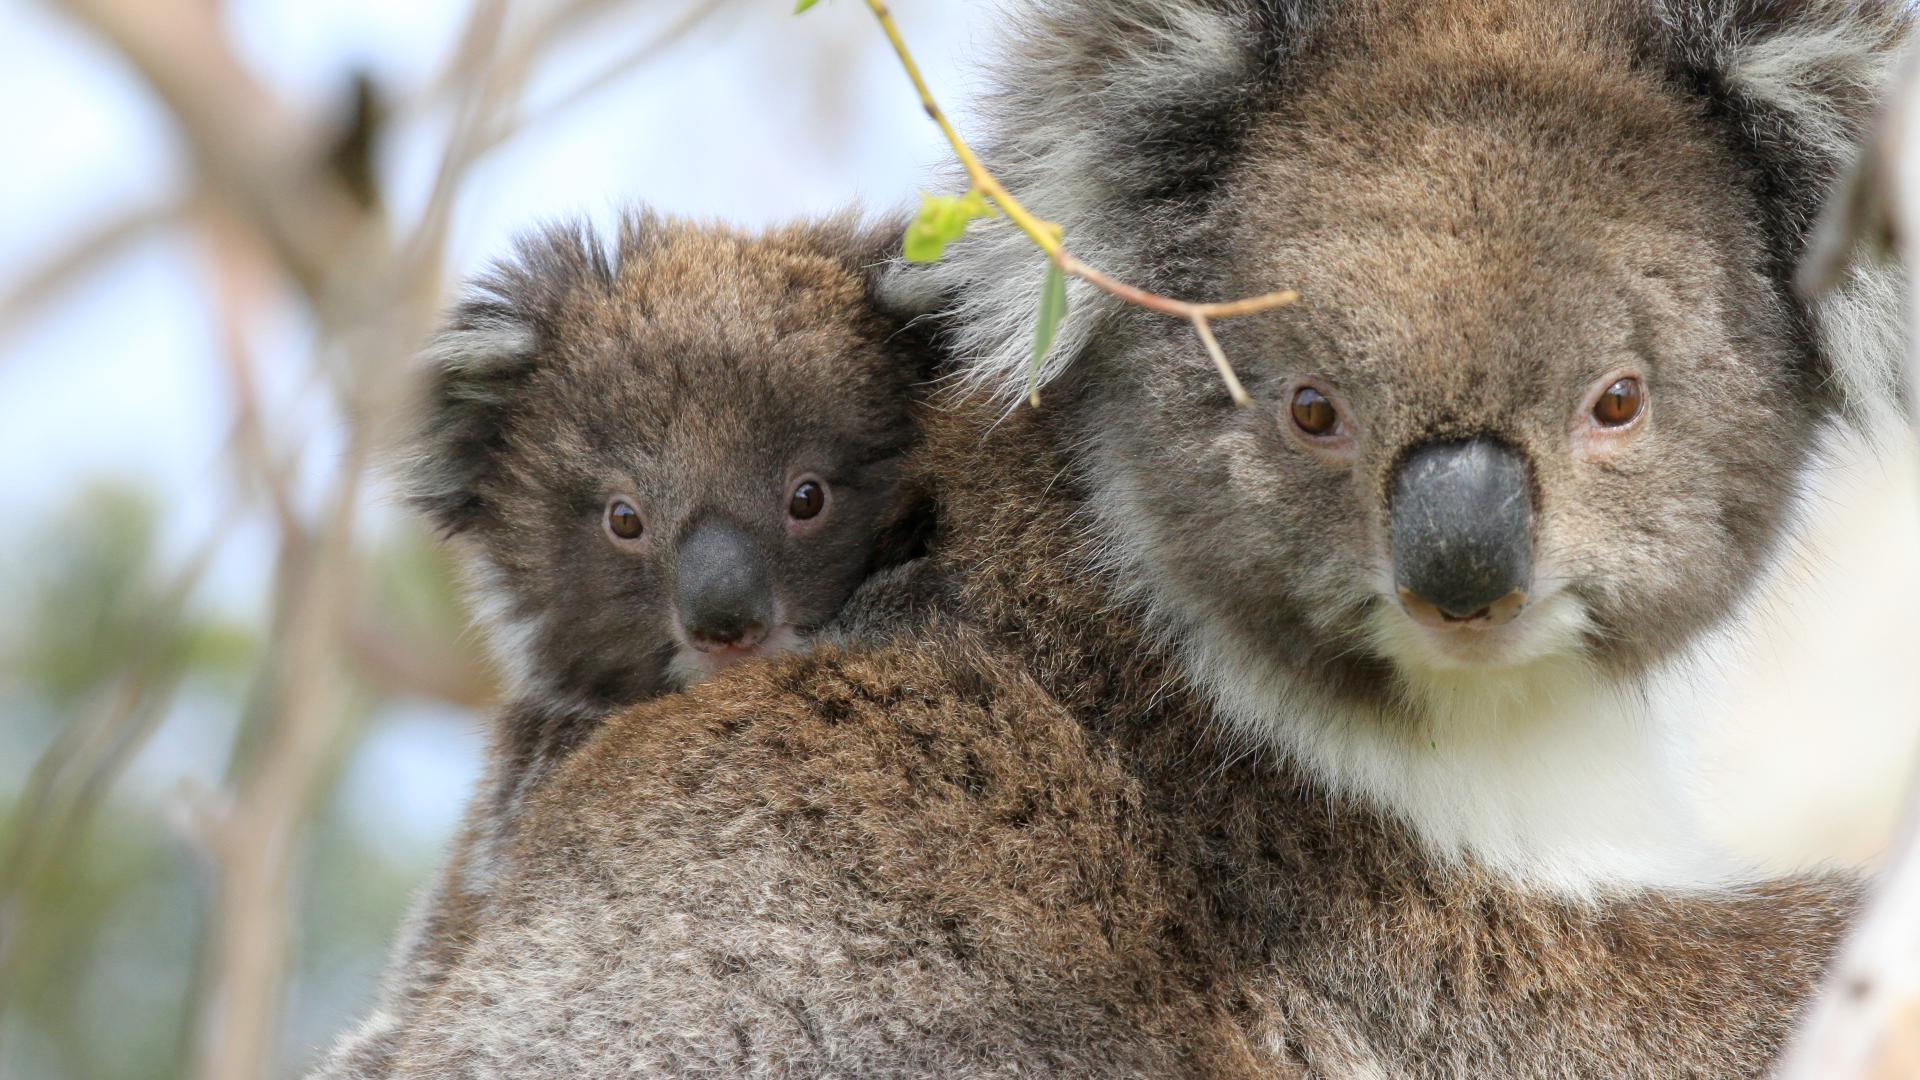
(721, 588)
(1462, 531)
(712, 634)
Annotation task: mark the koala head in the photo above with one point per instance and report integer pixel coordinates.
(1548, 393)
(666, 453)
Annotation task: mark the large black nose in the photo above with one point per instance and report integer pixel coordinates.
(1463, 529)
(722, 588)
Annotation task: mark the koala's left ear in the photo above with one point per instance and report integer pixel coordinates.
(476, 368)
(472, 370)
(871, 251)
(1798, 84)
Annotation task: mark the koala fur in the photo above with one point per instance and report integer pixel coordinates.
(1011, 841)
(1166, 781)
(694, 372)
(1486, 206)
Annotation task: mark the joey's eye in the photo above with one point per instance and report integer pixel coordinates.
(808, 498)
(1620, 403)
(623, 521)
(1313, 413)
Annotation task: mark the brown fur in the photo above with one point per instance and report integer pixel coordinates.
(1020, 828)
(694, 370)
(1011, 845)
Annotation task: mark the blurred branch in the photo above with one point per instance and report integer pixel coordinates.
(281, 200)
(402, 665)
(80, 261)
(237, 284)
(274, 797)
(611, 73)
(253, 152)
(65, 786)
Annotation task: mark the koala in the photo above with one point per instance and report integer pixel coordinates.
(1464, 554)
(1326, 737)
(656, 456)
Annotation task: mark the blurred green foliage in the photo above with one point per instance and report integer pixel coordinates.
(113, 652)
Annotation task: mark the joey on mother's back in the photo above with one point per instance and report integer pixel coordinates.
(657, 452)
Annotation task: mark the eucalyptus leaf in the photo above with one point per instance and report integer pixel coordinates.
(942, 220)
(1053, 308)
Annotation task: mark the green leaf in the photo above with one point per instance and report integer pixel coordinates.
(1053, 308)
(941, 220)
(801, 7)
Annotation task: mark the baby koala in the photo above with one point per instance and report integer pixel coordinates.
(663, 454)
(656, 455)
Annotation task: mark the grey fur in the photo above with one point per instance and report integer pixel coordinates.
(695, 370)
(1157, 779)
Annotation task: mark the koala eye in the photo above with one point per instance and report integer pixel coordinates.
(808, 499)
(623, 521)
(1620, 403)
(1313, 413)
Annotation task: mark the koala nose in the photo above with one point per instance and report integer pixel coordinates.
(721, 588)
(1462, 525)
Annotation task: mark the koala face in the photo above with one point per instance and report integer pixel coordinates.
(1543, 399)
(666, 458)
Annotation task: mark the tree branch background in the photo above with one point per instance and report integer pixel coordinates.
(237, 699)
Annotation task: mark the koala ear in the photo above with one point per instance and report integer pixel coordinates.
(476, 368)
(1798, 83)
(472, 370)
(1110, 116)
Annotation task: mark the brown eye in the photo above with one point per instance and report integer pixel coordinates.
(1313, 413)
(1620, 403)
(807, 500)
(623, 520)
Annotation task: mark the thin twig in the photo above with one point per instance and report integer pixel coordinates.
(606, 76)
(1049, 238)
(1205, 329)
(80, 261)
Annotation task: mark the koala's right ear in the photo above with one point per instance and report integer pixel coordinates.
(473, 370)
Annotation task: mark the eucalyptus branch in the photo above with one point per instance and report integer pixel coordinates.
(1049, 237)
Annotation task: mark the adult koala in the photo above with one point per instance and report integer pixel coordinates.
(1226, 745)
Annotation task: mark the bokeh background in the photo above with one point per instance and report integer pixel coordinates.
(238, 703)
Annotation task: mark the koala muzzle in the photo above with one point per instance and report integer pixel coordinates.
(1463, 532)
(722, 590)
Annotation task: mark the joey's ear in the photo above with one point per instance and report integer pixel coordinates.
(478, 366)
(870, 251)
(1798, 84)
(472, 370)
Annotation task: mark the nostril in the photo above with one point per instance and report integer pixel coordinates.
(724, 635)
(1498, 613)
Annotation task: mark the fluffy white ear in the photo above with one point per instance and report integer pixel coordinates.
(1805, 79)
(1863, 329)
(1824, 67)
(475, 367)
(1863, 298)
(1097, 107)
(470, 370)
